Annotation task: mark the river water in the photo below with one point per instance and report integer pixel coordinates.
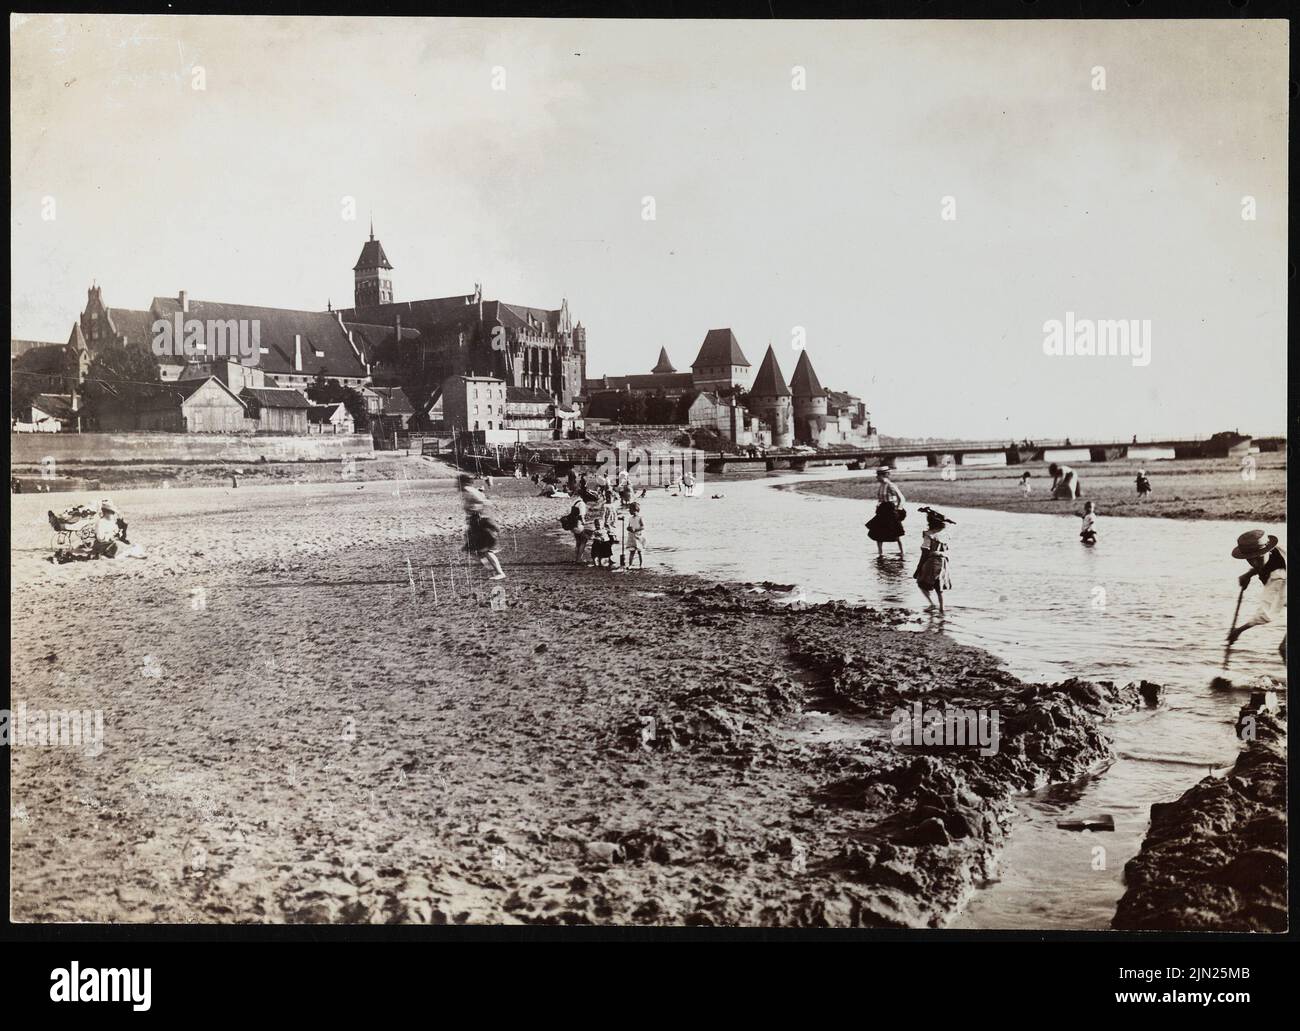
(1151, 600)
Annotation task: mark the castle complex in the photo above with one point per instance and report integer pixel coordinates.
(509, 370)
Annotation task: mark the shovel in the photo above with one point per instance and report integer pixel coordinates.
(1221, 683)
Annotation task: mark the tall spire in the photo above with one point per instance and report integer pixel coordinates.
(372, 225)
(804, 382)
(664, 365)
(769, 382)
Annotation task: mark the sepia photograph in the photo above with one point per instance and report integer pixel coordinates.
(663, 474)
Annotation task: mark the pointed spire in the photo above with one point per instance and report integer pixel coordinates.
(804, 382)
(372, 225)
(663, 365)
(769, 382)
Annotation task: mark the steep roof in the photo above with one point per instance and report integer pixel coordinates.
(666, 381)
(17, 347)
(804, 382)
(372, 256)
(395, 400)
(527, 395)
(275, 397)
(720, 347)
(320, 331)
(664, 365)
(136, 326)
(171, 395)
(57, 405)
(769, 382)
(324, 413)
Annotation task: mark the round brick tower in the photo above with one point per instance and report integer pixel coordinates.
(769, 399)
(809, 403)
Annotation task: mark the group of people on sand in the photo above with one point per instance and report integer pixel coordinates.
(593, 519)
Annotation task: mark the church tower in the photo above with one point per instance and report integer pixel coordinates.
(373, 274)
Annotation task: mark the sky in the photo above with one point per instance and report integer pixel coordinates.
(521, 153)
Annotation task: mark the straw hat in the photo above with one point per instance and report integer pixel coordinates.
(107, 506)
(1254, 544)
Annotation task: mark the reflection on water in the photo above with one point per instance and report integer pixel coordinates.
(1152, 600)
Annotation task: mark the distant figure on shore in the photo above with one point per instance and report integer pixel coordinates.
(887, 523)
(1065, 482)
(1143, 484)
(481, 530)
(635, 536)
(1024, 483)
(932, 569)
(1268, 562)
(1088, 531)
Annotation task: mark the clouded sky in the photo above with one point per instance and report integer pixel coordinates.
(775, 208)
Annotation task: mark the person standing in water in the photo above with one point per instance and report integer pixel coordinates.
(932, 569)
(887, 523)
(1088, 531)
(1268, 562)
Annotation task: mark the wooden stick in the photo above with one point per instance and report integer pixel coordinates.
(1228, 647)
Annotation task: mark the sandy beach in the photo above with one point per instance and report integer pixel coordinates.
(315, 710)
(1191, 489)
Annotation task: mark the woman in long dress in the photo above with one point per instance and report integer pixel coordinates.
(887, 523)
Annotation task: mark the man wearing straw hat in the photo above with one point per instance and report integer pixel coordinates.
(1268, 562)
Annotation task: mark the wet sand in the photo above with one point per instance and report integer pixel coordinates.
(300, 726)
(1190, 489)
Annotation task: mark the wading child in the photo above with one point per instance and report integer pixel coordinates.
(635, 536)
(1088, 531)
(932, 570)
(1024, 483)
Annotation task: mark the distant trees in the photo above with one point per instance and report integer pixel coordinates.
(324, 391)
(42, 370)
(120, 377)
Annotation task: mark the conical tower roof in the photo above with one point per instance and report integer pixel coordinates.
(372, 254)
(769, 382)
(663, 365)
(804, 382)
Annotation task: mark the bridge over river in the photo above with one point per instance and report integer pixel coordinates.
(938, 453)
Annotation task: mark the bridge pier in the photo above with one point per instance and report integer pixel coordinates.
(936, 458)
(1020, 455)
(1107, 454)
(715, 465)
(798, 464)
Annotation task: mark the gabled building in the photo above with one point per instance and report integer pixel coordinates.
(330, 419)
(189, 406)
(276, 409)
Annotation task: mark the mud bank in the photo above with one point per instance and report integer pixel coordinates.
(353, 727)
(1216, 859)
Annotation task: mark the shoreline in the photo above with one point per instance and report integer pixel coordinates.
(626, 751)
(1183, 489)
